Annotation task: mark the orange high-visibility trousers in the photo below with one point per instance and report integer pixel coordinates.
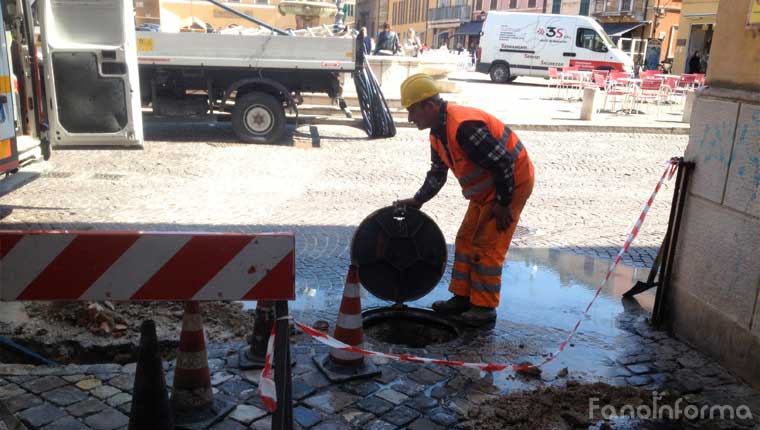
(480, 250)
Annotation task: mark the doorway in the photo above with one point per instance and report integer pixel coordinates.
(700, 40)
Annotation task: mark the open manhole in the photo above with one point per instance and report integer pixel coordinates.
(400, 254)
(410, 327)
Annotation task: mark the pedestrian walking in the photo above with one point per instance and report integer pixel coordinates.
(496, 176)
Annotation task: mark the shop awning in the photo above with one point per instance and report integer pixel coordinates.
(471, 28)
(620, 28)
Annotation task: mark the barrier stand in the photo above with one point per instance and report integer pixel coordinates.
(282, 418)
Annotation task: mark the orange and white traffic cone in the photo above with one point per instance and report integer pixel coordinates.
(192, 398)
(340, 365)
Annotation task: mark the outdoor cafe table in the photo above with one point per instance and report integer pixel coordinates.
(580, 76)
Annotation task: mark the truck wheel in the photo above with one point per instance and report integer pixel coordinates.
(258, 118)
(500, 73)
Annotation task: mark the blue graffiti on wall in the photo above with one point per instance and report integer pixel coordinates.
(746, 152)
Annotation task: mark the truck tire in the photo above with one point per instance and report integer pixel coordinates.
(500, 73)
(258, 118)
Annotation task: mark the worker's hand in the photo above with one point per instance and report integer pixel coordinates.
(502, 215)
(412, 203)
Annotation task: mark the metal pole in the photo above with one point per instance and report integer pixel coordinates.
(282, 419)
(249, 18)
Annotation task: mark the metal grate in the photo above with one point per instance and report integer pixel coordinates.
(107, 176)
(521, 231)
(58, 175)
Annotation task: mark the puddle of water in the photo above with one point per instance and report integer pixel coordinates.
(540, 286)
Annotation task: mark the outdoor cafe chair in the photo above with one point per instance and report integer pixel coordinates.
(556, 79)
(616, 90)
(649, 91)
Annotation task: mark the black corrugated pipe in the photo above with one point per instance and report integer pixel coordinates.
(249, 18)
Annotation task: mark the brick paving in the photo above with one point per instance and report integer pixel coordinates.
(590, 188)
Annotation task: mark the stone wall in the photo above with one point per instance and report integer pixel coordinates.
(715, 300)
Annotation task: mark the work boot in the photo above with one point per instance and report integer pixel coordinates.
(478, 316)
(454, 305)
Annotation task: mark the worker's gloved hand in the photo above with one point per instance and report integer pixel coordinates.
(502, 215)
(411, 203)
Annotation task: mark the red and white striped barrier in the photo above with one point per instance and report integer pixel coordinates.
(267, 388)
(93, 265)
(325, 339)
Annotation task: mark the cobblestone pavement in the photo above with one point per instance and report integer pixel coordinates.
(589, 190)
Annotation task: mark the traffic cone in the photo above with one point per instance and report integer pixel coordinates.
(192, 399)
(339, 365)
(252, 356)
(150, 400)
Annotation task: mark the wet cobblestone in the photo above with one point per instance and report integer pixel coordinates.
(590, 189)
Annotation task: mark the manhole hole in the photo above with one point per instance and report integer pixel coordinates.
(58, 175)
(410, 327)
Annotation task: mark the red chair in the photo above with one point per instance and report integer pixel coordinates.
(650, 90)
(687, 81)
(555, 79)
(669, 86)
(568, 80)
(699, 79)
(616, 91)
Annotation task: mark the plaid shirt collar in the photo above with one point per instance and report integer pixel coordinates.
(439, 130)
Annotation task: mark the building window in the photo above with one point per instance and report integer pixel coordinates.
(532, 3)
(513, 4)
(494, 4)
(556, 6)
(584, 7)
(479, 5)
(626, 5)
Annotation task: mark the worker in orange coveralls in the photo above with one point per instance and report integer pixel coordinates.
(496, 176)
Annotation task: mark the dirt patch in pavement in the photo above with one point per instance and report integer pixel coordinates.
(90, 332)
(554, 407)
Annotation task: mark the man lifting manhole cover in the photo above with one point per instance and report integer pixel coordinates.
(496, 176)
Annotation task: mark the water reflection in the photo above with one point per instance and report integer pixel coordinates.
(541, 286)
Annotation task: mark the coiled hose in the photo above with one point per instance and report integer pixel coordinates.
(378, 121)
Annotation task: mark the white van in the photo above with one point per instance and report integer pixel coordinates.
(528, 44)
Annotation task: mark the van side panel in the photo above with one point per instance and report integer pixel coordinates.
(555, 43)
(508, 38)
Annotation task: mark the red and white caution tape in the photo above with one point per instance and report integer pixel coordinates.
(330, 341)
(267, 388)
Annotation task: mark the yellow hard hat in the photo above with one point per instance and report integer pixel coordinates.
(417, 88)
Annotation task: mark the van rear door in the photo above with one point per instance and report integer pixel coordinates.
(554, 43)
(91, 76)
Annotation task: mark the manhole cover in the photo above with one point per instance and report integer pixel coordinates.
(410, 327)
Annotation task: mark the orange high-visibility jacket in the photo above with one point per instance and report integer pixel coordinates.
(477, 183)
